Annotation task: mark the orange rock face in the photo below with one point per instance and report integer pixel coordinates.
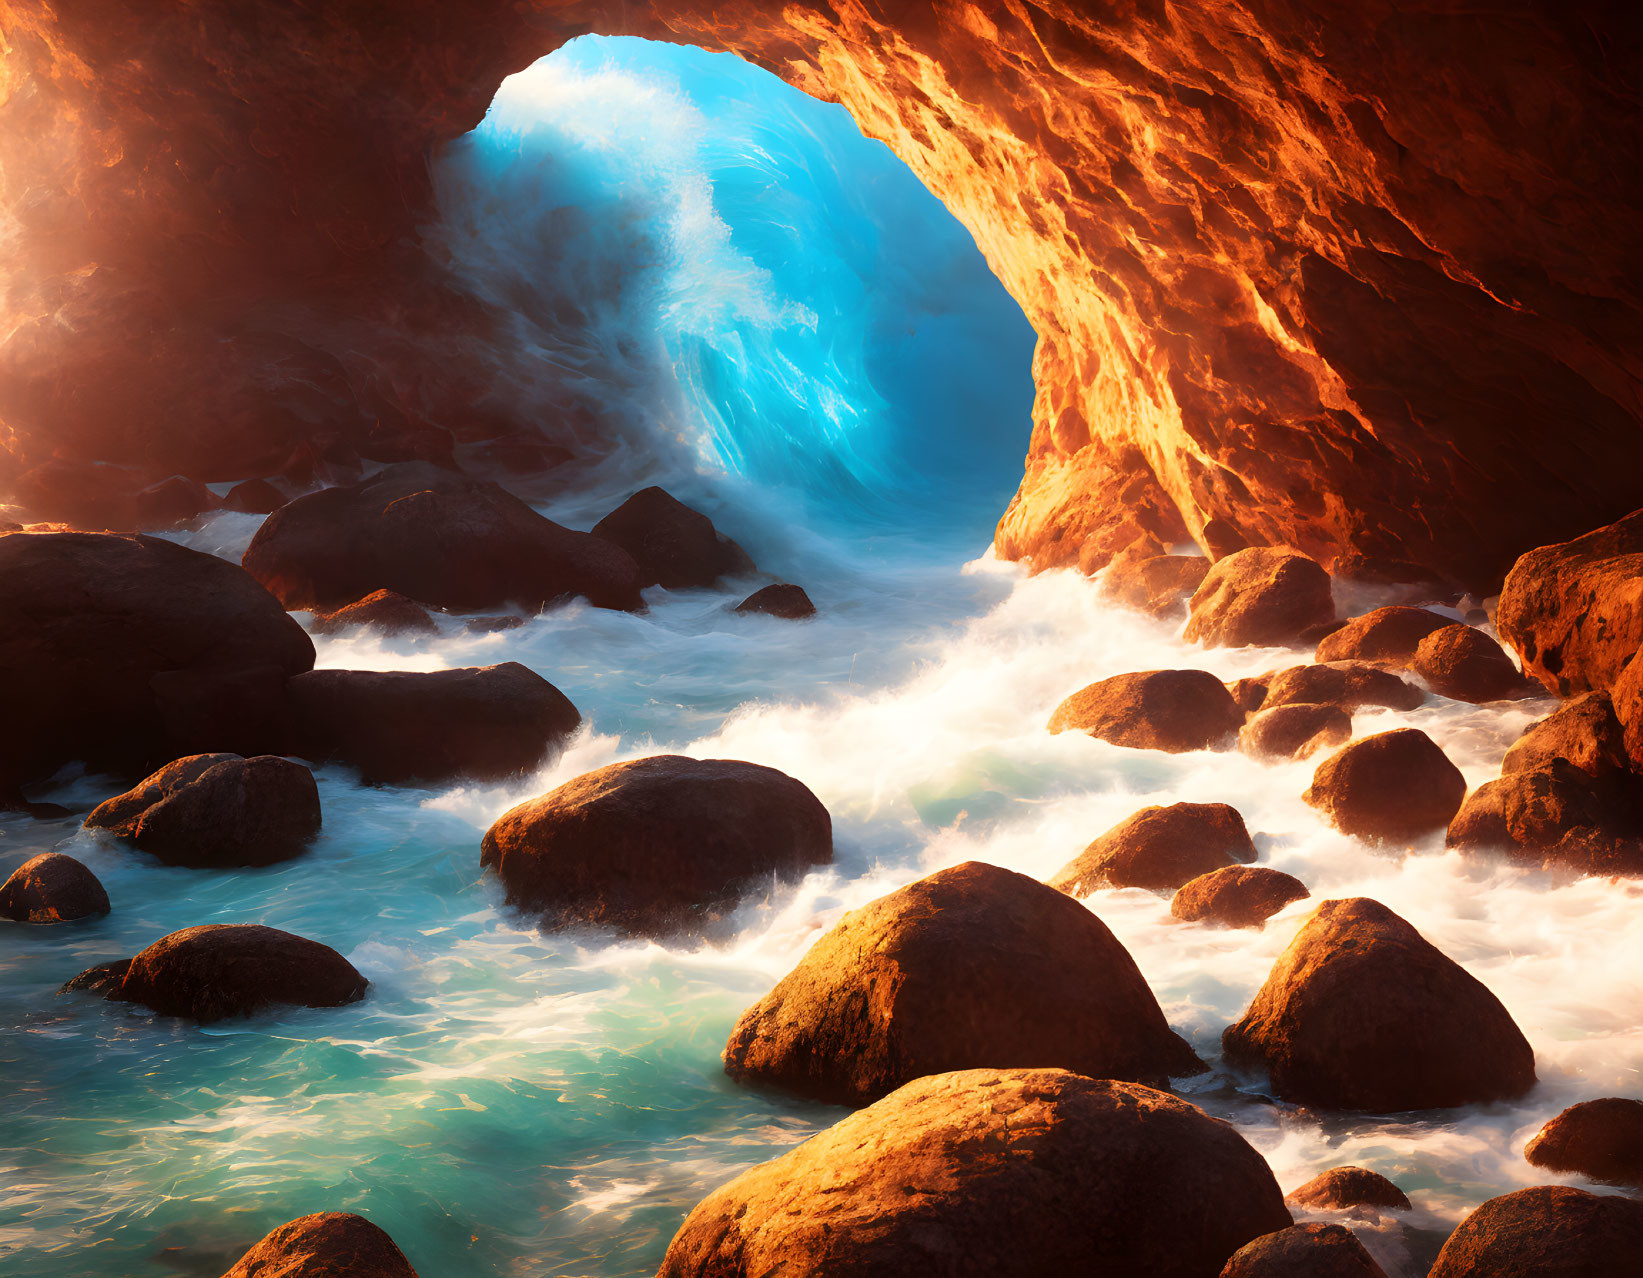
(1335, 274)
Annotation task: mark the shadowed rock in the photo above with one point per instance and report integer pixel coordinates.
(1361, 1012)
(1390, 787)
(1304, 1251)
(1250, 694)
(1295, 730)
(1598, 1139)
(1386, 635)
(1343, 1188)
(1238, 896)
(172, 502)
(52, 888)
(780, 600)
(1347, 684)
(1159, 848)
(1156, 585)
(972, 966)
(1172, 710)
(254, 497)
(383, 610)
(1554, 814)
(1265, 595)
(326, 1245)
(993, 1174)
(659, 846)
(1549, 1231)
(673, 545)
(1464, 664)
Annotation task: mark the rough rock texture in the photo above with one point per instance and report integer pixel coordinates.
(659, 846)
(1583, 730)
(1390, 787)
(973, 966)
(1342, 1188)
(330, 1244)
(1548, 1231)
(1467, 665)
(125, 651)
(1386, 635)
(1598, 1139)
(673, 545)
(396, 727)
(1262, 596)
(993, 1174)
(1157, 584)
(780, 600)
(52, 888)
(1159, 848)
(1556, 815)
(1295, 731)
(437, 537)
(1173, 710)
(1361, 1012)
(222, 970)
(1309, 1250)
(1237, 896)
(383, 610)
(1348, 684)
(1250, 694)
(218, 810)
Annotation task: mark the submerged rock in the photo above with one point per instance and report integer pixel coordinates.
(52, 888)
(1172, 710)
(1464, 664)
(1264, 596)
(1343, 1188)
(1361, 1012)
(1238, 896)
(1156, 585)
(659, 846)
(329, 1244)
(673, 545)
(383, 610)
(1598, 1139)
(1295, 730)
(780, 600)
(1548, 1231)
(218, 810)
(220, 970)
(973, 966)
(1311, 1250)
(1390, 787)
(1159, 848)
(1347, 684)
(993, 1174)
(1389, 636)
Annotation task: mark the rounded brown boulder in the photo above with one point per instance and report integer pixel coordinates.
(1347, 684)
(674, 545)
(1392, 786)
(1362, 1012)
(1598, 1139)
(383, 610)
(1172, 710)
(1583, 731)
(1265, 595)
(1343, 1188)
(1237, 896)
(1464, 664)
(1159, 848)
(218, 810)
(972, 966)
(993, 1174)
(659, 846)
(330, 1244)
(1548, 1231)
(1386, 635)
(220, 970)
(52, 888)
(1304, 1251)
(254, 497)
(780, 600)
(1295, 731)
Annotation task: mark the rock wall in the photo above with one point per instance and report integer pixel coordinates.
(1358, 276)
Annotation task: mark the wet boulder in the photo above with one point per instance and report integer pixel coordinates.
(330, 1244)
(1309, 1250)
(1388, 636)
(1295, 730)
(1583, 730)
(52, 888)
(1350, 685)
(1464, 664)
(487, 723)
(1347, 1188)
(219, 970)
(1554, 814)
(664, 846)
(973, 966)
(1250, 693)
(1599, 1139)
(218, 810)
(172, 502)
(254, 497)
(434, 536)
(1391, 787)
(1548, 1231)
(1171, 710)
(1237, 896)
(1362, 1012)
(781, 600)
(993, 1174)
(1263, 596)
(1159, 848)
(673, 545)
(384, 610)
(1157, 584)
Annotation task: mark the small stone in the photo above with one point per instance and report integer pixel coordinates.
(780, 600)
(1159, 848)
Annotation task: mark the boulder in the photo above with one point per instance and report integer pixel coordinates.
(1598, 1139)
(1295, 730)
(1481, 821)
(1265, 595)
(1347, 684)
(1311, 1250)
(1157, 584)
(1250, 694)
(973, 966)
(1628, 709)
(330, 1244)
(1391, 787)
(221, 970)
(172, 502)
(125, 651)
(1237, 896)
(1159, 848)
(993, 1174)
(1361, 1012)
(1583, 730)
(781, 600)
(673, 545)
(254, 497)
(383, 610)
(1464, 664)
(52, 888)
(217, 811)
(1172, 710)
(1554, 814)
(487, 723)
(1386, 635)
(1344, 1188)
(437, 537)
(659, 846)
(1548, 1231)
